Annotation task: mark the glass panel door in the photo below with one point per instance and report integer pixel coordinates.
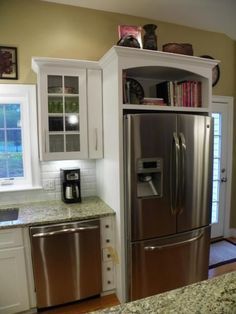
(63, 113)
(216, 167)
(222, 108)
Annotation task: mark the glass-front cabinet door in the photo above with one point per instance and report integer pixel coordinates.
(64, 114)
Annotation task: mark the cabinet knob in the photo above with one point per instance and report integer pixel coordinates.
(108, 268)
(107, 241)
(106, 226)
(109, 282)
(108, 255)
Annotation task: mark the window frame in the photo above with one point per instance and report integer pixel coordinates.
(25, 95)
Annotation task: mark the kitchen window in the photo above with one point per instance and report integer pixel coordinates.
(19, 165)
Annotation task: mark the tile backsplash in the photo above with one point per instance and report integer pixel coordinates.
(50, 173)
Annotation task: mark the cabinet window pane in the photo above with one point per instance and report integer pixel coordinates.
(72, 122)
(55, 104)
(72, 142)
(54, 84)
(56, 143)
(11, 156)
(55, 124)
(71, 85)
(72, 104)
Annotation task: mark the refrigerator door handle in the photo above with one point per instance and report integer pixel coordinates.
(160, 247)
(174, 173)
(182, 143)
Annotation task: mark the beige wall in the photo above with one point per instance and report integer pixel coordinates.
(39, 28)
(233, 198)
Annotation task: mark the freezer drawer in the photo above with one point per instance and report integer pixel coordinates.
(167, 263)
(66, 262)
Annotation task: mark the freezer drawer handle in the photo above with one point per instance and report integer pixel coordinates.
(160, 247)
(63, 231)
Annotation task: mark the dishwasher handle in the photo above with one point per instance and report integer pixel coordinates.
(63, 231)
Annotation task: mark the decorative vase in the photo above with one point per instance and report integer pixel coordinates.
(150, 38)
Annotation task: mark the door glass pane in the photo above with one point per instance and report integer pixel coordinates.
(216, 167)
(54, 84)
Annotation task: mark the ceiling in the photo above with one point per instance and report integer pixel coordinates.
(212, 15)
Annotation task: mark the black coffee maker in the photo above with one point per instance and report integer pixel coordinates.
(70, 185)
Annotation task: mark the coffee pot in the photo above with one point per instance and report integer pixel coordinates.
(70, 185)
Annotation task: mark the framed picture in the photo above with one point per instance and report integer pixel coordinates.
(129, 30)
(8, 63)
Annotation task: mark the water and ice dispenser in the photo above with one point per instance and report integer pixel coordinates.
(149, 177)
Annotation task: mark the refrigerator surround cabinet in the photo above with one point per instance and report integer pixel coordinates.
(168, 227)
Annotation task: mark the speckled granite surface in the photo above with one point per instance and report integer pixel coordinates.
(215, 296)
(57, 211)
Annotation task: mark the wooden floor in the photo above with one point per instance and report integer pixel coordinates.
(93, 304)
(111, 300)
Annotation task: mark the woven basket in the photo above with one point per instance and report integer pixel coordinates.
(185, 49)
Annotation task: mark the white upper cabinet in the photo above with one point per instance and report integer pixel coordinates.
(156, 80)
(69, 109)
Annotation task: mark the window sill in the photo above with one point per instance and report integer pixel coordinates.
(15, 188)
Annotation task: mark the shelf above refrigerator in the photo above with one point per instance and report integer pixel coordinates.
(165, 108)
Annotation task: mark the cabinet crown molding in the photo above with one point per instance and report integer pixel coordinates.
(41, 62)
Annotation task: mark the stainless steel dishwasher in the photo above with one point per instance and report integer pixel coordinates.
(66, 262)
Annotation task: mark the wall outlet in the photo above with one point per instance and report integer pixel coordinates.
(49, 185)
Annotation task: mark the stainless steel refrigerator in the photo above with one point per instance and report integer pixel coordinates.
(168, 187)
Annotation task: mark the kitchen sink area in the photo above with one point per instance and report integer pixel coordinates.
(9, 214)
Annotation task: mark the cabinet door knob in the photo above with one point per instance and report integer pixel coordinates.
(107, 226)
(107, 240)
(108, 255)
(108, 268)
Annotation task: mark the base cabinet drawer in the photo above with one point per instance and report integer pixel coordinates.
(108, 276)
(108, 253)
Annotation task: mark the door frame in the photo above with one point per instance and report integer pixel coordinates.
(229, 159)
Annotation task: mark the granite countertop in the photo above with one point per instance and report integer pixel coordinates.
(56, 211)
(216, 296)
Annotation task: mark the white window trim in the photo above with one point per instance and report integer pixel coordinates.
(26, 96)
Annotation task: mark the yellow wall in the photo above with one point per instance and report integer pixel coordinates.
(39, 28)
(233, 198)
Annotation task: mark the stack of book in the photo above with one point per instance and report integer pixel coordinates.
(181, 94)
(153, 101)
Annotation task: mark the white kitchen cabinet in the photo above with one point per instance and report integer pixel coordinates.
(148, 68)
(108, 254)
(13, 279)
(69, 109)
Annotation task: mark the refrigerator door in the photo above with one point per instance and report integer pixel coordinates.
(150, 200)
(195, 138)
(168, 263)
